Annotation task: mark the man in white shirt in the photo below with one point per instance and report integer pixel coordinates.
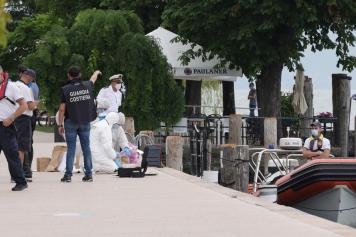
(10, 95)
(316, 146)
(23, 122)
(112, 93)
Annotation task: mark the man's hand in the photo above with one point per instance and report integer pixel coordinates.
(95, 76)
(61, 130)
(7, 122)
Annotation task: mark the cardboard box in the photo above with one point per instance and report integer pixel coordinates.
(42, 163)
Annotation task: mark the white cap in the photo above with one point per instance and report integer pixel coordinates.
(117, 76)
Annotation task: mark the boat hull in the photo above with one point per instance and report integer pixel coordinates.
(337, 204)
(325, 188)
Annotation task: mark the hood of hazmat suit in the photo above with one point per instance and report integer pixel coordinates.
(101, 145)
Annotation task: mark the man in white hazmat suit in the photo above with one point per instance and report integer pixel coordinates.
(101, 142)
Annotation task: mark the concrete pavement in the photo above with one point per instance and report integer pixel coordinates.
(169, 203)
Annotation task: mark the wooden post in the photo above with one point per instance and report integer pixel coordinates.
(308, 94)
(235, 170)
(270, 138)
(235, 129)
(174, 151)
(341, 110)
(129, 126)
(270, 132)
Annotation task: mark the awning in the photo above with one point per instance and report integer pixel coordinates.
(197, 69)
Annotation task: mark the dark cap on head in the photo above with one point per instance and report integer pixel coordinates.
(21, 68)
(315, 124)
(251, 84)
(30, 72)
(74, 71)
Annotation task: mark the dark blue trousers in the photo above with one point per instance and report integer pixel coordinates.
(8, 144)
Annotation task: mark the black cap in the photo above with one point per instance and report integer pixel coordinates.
(21, 68)
(74, 71)
(316, 123)
(30, 72)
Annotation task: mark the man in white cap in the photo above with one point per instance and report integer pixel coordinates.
(112, 93)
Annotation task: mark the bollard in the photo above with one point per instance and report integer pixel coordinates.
(174, 151)
(234, 172)
(235, 129)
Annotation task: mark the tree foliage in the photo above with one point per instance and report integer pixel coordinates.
(262, 36)
(109, 40)
(4, 18)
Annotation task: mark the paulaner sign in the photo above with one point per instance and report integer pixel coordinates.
(195, 73)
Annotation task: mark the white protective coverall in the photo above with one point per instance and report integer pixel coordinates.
(101, 142)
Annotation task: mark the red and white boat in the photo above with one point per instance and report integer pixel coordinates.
(322, 187)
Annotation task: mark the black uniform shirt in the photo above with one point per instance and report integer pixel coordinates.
(79, 99)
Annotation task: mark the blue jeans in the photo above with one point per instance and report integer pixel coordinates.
(8, 144)
(83, 131)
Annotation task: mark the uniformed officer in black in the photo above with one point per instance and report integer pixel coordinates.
(78, 110)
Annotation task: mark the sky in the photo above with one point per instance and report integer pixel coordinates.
(319, 66)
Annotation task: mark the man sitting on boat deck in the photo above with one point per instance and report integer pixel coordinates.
(316, 146)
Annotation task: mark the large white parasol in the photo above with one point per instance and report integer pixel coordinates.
(299, 104)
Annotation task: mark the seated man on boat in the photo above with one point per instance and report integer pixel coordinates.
(316, 146)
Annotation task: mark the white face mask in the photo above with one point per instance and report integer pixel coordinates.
(315, 132)
(118, 86)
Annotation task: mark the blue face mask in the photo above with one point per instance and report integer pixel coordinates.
(101, 116)
(315, 132)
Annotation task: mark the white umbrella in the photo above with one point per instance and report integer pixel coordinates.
(299, 104)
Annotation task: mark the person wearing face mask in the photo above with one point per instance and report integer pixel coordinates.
(112, 93)
(316, 146)
(101, 142)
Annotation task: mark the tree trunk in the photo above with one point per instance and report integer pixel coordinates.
(228, 97)
(270, 90)
(193, 97)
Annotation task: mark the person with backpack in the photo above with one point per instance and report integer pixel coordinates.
(78, 109)
(12, 105)
(316, 146)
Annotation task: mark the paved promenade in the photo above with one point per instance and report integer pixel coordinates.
(169, 203)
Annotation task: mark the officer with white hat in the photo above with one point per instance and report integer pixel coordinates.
(112, 93)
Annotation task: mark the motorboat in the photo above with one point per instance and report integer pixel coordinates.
(322, 187)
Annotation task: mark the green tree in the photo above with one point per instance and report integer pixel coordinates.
(25, 39)
(153, 94)
(4, 18)
(112, 41)
(150, 11)
(51, 59)
(263, 36)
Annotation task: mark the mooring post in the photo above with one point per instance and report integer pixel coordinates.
(270, 138)
(235, 129)
(174, 152)
(341, 95)
(235, 170)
